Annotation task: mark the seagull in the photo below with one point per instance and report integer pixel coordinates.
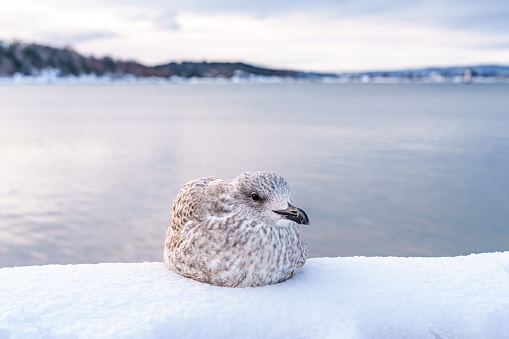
(236, 233)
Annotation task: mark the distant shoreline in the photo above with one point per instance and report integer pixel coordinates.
(51, 78)
(29, 63)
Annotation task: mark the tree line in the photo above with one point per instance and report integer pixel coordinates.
(32, 59)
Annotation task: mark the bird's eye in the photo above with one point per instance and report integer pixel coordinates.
(255, 196)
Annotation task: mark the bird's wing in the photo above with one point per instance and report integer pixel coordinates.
(187, 205)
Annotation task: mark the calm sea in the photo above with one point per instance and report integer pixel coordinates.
(88, 173)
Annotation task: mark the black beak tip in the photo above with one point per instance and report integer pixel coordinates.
(304, 219)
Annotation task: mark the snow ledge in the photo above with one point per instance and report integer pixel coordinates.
(351, 297)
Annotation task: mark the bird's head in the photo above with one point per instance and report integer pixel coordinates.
(267, 195)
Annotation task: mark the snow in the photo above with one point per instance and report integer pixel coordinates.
(350, 297)
(51, 76)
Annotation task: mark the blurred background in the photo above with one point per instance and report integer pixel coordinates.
(323, 35)
(393, 165)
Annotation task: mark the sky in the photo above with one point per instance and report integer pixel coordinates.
(318, 35)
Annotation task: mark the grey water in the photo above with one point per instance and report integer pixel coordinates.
(88, 173)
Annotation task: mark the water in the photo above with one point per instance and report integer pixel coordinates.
(88, 173)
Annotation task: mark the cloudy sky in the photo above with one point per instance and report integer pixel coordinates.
(319, 35)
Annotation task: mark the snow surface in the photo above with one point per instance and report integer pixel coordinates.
(352, 297)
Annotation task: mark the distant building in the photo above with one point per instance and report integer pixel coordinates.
(467, 76)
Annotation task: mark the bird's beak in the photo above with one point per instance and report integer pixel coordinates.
(294, 214)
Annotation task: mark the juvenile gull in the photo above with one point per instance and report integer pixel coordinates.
(236, 233)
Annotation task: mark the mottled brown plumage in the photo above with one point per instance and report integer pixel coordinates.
(237, 233)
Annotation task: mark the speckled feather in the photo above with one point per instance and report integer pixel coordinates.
(220, 236)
